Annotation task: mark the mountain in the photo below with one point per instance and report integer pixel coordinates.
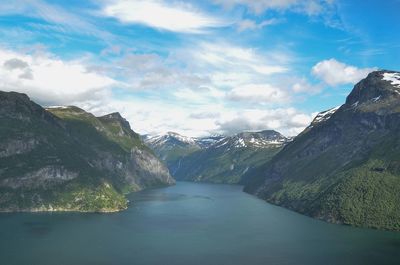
(205, 142)
(66, 159)
(170, 147)
(345, 167)
(227, 159)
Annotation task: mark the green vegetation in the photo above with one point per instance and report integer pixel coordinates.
(74, 196)
(366, 197)
(345, 169)
(363, 196)
(217, 165)
(66, 159)
(216, 159)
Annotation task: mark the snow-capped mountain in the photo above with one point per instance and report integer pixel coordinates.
(205, 142)
(217, 158)
(263, 139)
(171, 141)
(169, 138)
(171, 146)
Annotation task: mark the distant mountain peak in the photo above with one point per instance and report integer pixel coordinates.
(171, 138)
(70, 107)
(182, 138)
(262, 139)
(116, 116)
(377, 86)
(205, 142)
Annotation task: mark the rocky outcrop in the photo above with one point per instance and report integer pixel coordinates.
(42, 178)
(17, 146)
(151, 171)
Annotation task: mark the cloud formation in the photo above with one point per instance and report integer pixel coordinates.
(259, 93)
(58, 19)
(309, 7)
(158, 14)
(47, 78)
(199, 110)
(248, 24)
(289, 121)
(335, 73)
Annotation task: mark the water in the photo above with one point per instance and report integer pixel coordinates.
(190, 224)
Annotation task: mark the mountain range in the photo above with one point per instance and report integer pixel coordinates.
(216, 159)
(66, 159)
(343, 168)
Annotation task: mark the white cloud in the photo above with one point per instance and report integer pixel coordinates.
(259, 93)
(302, 85)
(288, 121)
(204, 115)
(192, 105)
(152, 116)
(233, 66)
(160, 15)
(334, 73)
(248, 24)
(59, 18)
(151, 71)
(156, 116)
(309, 7)
(46, 77)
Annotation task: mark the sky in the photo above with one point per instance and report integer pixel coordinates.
(197, 67)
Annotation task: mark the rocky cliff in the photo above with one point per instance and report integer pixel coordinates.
(65, 159)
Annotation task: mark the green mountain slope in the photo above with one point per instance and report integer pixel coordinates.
(65, 159)
(345, 167)
(171, 147)
(229, 158)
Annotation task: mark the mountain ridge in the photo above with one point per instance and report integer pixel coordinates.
(344, 169)
(223, 159)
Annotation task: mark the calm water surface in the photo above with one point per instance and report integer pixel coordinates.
(190, 224)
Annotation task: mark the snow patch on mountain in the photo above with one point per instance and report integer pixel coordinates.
(159, 140)
(393, 78)
(185, 139)
(325, 115)
(57, 107)
(265, 139)
(376, 98)
(205, 142)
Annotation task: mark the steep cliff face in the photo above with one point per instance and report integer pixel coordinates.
(66, 159)
(345, 166)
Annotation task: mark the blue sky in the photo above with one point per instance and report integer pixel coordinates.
(197, 67)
